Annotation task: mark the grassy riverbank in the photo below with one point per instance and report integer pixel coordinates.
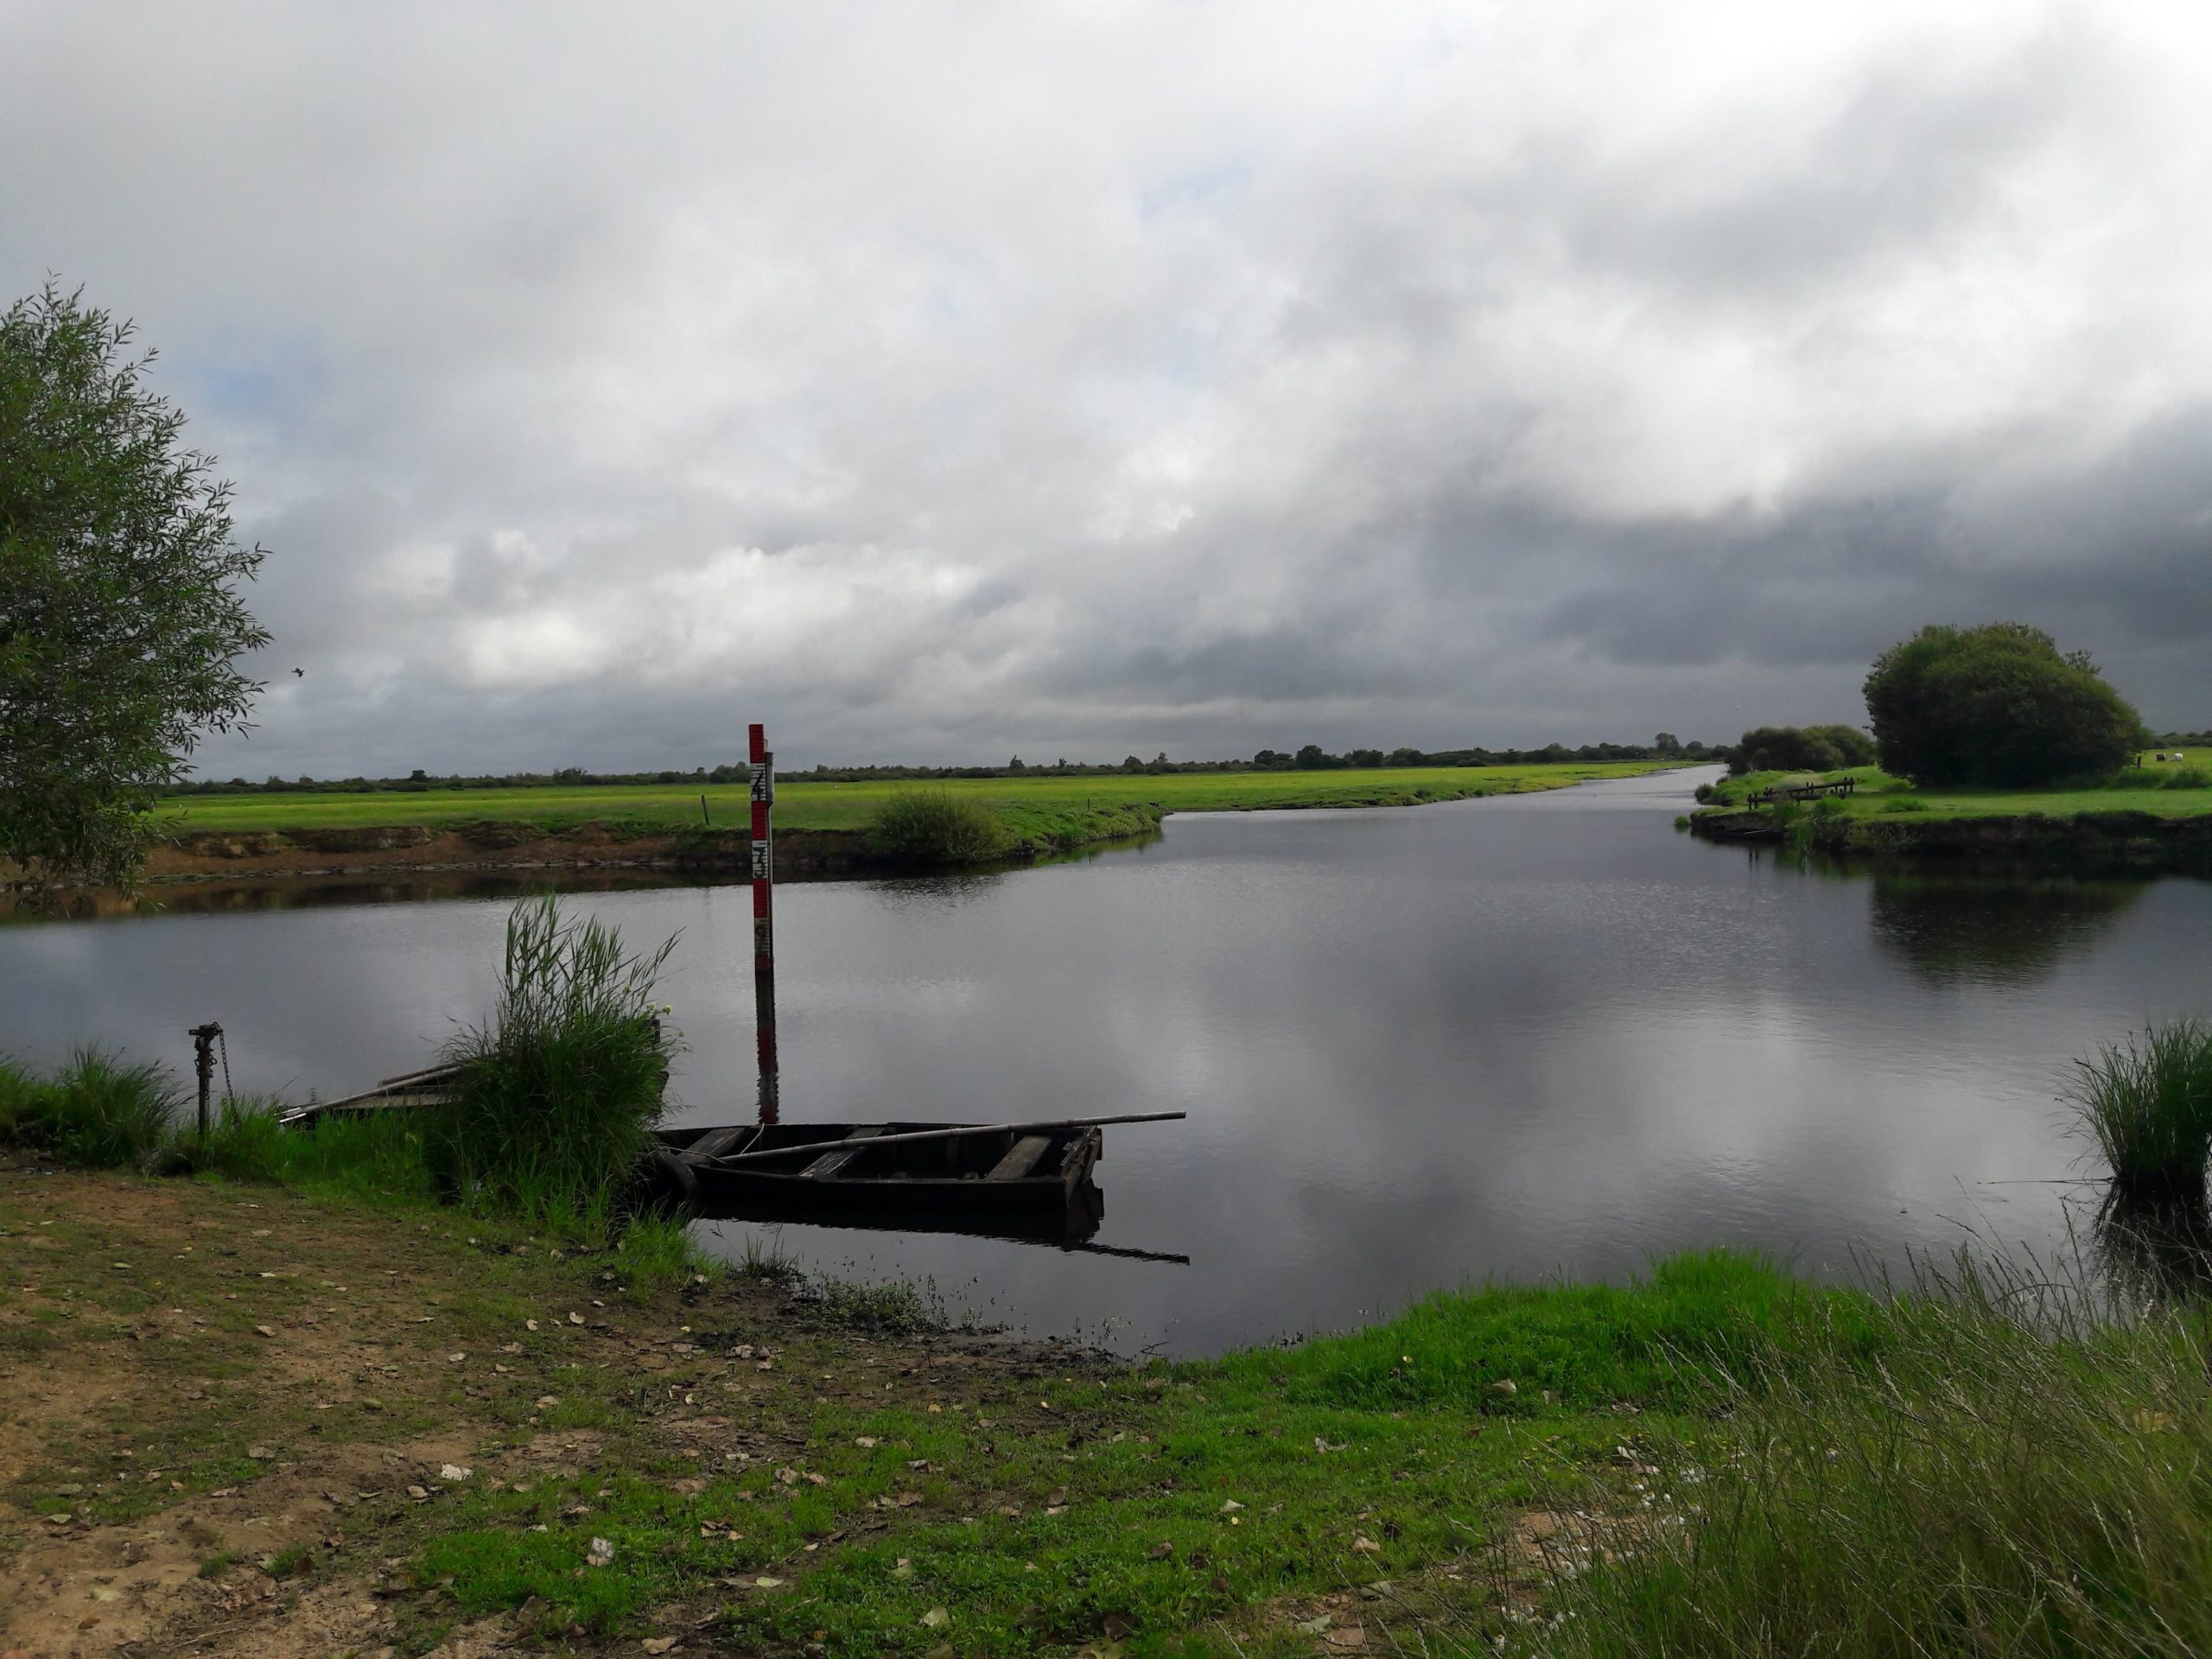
(1031, 806)
(822, 828)
(2169, 791)
(2152, 820)
(253, 1416)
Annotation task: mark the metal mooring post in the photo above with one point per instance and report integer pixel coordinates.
(203, 1065)
(764, 922)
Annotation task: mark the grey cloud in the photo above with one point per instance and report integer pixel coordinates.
(939, 383)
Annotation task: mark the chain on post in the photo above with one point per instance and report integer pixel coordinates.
(223, 1045)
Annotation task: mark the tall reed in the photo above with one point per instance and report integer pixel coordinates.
(2022, 1474)
(97, 1111)
(558, 1095)
(2147, 1104)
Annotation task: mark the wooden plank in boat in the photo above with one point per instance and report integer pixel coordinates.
(1018, 1162)
(715, 1142)
(831, 1162)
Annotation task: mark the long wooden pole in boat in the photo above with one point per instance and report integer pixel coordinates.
(946, 1134)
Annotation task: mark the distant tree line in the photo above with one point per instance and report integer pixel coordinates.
(1309, 758)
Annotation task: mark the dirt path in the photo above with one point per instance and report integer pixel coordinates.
(228, 1416)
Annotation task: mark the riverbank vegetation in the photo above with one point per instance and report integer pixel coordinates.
(1974, 724)
(1310, 756)
(2148, 1104)
(821, 828)
(2022, 1473)
(2177, 787)
(926, 828)
(551, 1112)
(1801, 748)
(804, 805)
(545, 1120)
(533, 1443)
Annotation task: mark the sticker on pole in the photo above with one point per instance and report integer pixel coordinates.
(760, 861)
(764, 782)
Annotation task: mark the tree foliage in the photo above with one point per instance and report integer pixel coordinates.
(1801, 748)
(120, 622)
(1995, 707)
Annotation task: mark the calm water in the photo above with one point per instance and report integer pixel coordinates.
(1515, 1036)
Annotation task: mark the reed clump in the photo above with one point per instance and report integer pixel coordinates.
(2148, 1104)
(96, 1112)
(934, 828)
(559, 1093)
(2022, 1473)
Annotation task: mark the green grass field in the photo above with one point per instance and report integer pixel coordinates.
(1027, 803)
(1881, 795)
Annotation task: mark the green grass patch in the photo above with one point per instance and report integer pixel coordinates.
(1013, 1520)
(1523, 1349)
(2169, 791)
(1027, 804)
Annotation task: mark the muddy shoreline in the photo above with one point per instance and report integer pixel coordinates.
(493, 845)
(2088, 843)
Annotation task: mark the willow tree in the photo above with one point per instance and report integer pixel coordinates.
(121, 624)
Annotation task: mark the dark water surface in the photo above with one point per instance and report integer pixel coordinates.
(1518, 1037)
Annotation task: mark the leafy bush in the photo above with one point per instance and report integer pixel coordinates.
(933, 828)
(2186, 778)
(95, 1112)
(557, 1097)
(2148, 1106)
(1995, 707)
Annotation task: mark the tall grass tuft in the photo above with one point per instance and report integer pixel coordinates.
(934, 828)
(96, 1112)
(2020, 1475)
(2148, 1105)
(558, 1095)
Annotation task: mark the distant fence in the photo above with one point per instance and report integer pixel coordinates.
(1801, 791)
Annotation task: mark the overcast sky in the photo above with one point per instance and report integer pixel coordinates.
(945, 382)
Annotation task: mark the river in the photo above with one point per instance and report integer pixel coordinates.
(1522, 1037)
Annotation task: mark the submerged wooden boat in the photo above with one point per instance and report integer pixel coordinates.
(967, 1170)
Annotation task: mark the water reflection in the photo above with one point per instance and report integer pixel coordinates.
(2161, 1250)
(344, 891)
(1962, 928)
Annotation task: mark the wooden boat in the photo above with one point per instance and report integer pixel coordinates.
(981, 1171)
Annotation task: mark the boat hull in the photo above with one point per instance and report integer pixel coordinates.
(942, 1181)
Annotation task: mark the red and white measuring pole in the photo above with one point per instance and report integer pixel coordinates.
(764, 918)
(763, 853)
